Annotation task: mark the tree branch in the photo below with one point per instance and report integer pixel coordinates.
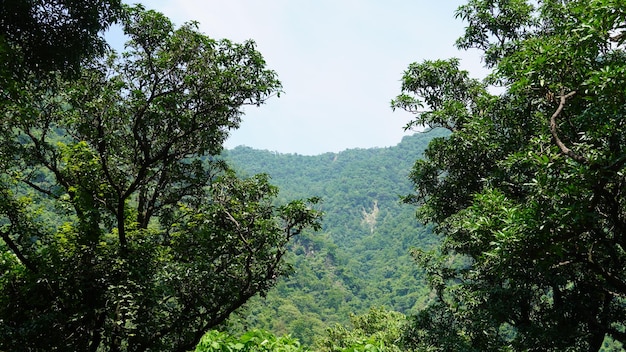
(553, 129)
(611, 279)
(40, 189)
(27, 263)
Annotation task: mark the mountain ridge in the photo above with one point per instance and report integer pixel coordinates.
(360, 258)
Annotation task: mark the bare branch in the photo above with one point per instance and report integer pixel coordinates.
(553, 129)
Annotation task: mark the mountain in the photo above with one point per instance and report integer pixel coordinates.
(361, 257)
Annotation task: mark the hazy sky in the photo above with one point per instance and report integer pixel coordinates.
(340, 62)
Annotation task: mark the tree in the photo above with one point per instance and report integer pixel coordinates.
(254, 340)
(121, 228)
(53, 35)
(527, 191)
(378, 330)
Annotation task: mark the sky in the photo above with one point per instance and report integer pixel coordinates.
(340, 63)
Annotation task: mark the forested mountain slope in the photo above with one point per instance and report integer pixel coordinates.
(361, 257)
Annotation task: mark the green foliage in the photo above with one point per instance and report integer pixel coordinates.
(121, 229)
(254, 340)
(352, 264)
(378, 330)
(610, 345)
(50, 35)
(527, 191)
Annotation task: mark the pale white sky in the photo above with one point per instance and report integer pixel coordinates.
(340, 62)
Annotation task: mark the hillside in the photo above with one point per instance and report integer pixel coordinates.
(361, 257)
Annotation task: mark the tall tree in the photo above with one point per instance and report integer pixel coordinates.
(121, 229)
(528, 189)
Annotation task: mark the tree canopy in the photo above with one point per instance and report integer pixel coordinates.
(253, 340)
(351, 264)
(121, 228)
(39, 38)
(378, 330)
(53, 35)
(528, 189)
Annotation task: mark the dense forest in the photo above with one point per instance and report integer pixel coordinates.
(125, 226)
(360, 259)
